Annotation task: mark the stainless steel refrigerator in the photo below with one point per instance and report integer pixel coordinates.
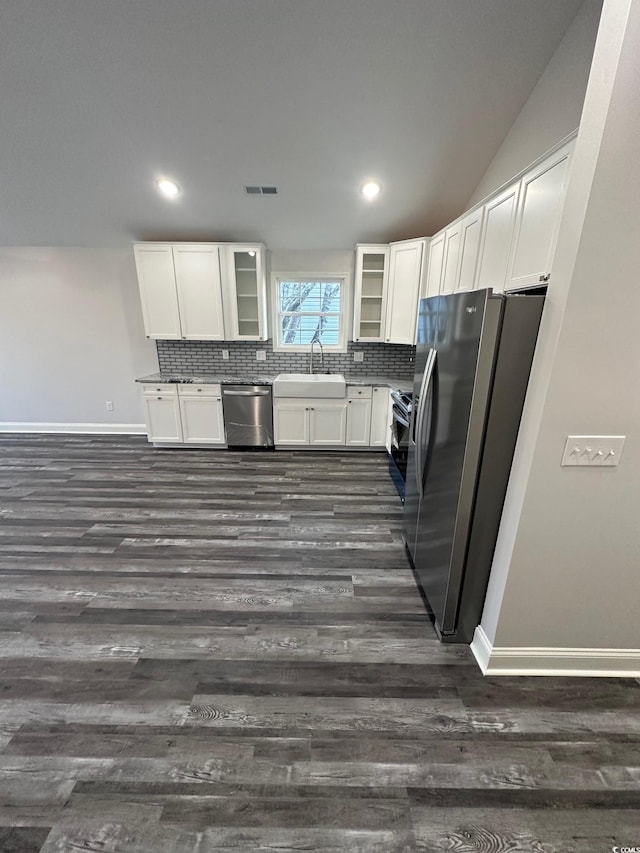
(473, 360)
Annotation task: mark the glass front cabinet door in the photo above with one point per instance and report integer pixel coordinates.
(244, 290)
(371, 280)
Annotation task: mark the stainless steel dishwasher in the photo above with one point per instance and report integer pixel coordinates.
(248, 415)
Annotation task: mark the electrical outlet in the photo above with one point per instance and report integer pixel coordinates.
(597, 451)
(225, 355)
(261, 355)
(358, 356)
(109, 406)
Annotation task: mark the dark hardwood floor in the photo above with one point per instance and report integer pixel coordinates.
(226, 651)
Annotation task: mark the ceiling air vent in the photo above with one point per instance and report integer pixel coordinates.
(259, 190)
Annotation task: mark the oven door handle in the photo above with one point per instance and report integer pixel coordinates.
(402, 421)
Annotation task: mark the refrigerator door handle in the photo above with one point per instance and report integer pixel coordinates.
(433, 424)
(419, 420)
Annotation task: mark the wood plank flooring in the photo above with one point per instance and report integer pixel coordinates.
(226, 651)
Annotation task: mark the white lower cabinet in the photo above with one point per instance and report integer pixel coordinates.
(307, 422)
(163, 419)
(202, 420)
(193, 414)
(380, 416)
(327, 422)
(358, 416)
(190, 414)
(162, 411)
(290, 422)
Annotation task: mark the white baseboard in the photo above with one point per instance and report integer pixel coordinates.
(604, 663)
(481, 648)
(91, 429)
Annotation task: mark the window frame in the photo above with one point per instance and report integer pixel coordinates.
(344, 317)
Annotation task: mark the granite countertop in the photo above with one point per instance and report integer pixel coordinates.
(229, 379)
(206, 378)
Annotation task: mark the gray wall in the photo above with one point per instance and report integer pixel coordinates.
(566, 568)
(71, 337)
(553, 109)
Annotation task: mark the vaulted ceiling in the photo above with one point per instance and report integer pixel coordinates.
(100, 97)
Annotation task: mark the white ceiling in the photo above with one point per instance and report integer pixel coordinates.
(99, 97)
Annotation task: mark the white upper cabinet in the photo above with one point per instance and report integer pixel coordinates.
(542, 192)
(508, 242)
(387, 289)
(158, 294)
(180, 291)
(470, 231)
(436, 263)
(244, 286)
(197, 271)
(451, 262)
(495, 245)
(405, 270)
(371, 288)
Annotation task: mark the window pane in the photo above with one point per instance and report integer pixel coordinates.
(310, 310)
(310, 296)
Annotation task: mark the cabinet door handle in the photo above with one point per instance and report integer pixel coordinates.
(159, 398)
(198, 390)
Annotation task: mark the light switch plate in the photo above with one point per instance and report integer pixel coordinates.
(225, 355)
(596, 451)
(261, 355)
(358, 356)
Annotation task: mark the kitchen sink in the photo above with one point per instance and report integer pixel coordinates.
(309, 385)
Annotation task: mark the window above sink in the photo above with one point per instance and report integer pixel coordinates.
(307, 308)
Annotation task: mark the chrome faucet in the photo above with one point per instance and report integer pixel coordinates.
(316, 341)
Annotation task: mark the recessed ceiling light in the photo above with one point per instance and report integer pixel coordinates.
(370, 190)
(168, 187)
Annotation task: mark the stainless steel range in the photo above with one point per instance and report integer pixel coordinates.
(402, 407)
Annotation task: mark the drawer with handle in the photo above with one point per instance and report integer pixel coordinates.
(193, 390)
(166, 389)
(358, 392)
